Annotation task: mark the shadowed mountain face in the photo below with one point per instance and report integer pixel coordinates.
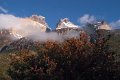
(5, 37)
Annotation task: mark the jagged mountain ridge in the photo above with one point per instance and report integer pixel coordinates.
(36, 23)
(63, 27)
(40, 25)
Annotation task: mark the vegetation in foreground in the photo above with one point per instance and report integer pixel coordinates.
(73, 59)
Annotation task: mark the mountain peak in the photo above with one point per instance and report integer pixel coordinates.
(39, 19)
(65, 20)
(65, 23)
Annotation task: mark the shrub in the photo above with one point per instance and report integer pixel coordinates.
(73, 59)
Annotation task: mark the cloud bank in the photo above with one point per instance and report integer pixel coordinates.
(86, 19)
(9, 21)
(116, 24)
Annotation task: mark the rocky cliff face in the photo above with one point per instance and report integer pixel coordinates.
(102, 25)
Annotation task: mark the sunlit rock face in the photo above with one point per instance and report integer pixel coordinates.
(103, 26)
(29, 26)
(41, 19)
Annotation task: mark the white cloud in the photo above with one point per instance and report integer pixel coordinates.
(43, 36)
(3, 9)
(86, 19)
(9, 21)
(116, 24)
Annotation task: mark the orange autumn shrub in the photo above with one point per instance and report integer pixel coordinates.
(73, 59)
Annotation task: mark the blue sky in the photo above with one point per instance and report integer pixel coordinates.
(54, 10)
